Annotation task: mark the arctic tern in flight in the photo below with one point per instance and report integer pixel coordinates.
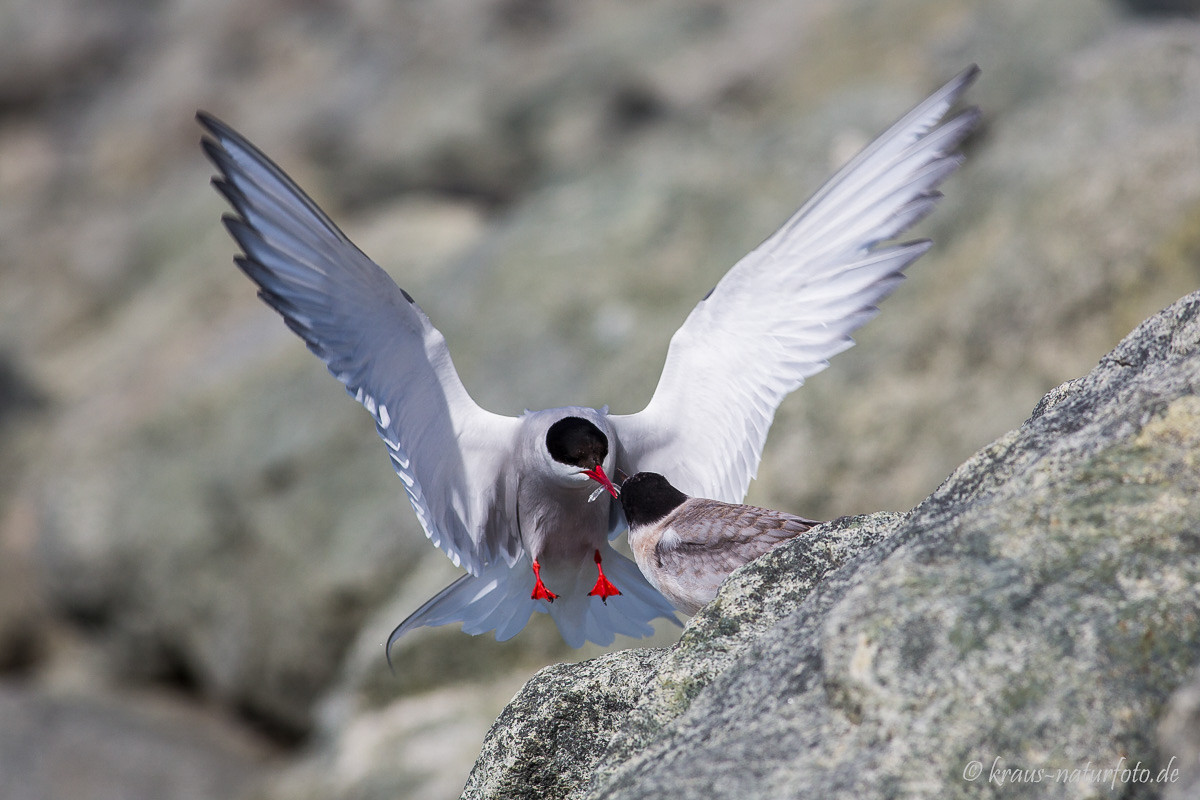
(507, 498)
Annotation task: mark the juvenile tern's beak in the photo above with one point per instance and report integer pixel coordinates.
(599, 477)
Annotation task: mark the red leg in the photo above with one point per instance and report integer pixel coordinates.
(540, 592)
(603, 588)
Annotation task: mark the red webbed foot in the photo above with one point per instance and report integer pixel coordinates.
(604, 588)
(540, 592)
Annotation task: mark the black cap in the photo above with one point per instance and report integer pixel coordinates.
(577, 442)
(648, 497)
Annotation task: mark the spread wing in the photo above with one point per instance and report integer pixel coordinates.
(451, 455)
(785, 309)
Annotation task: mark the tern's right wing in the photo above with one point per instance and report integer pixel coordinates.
(451, 455)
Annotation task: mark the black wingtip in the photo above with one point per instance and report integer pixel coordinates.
(226, 189)
(387, 654)
(213, 130)
(964, 78)
(212, 148)
(958, 85)
(212, 124)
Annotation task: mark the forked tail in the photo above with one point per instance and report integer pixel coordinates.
(498, 599)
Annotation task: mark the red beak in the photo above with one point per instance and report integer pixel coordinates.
(599, 477)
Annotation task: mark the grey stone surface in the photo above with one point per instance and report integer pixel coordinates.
(187, 495)
(549, 737)
(750, 602)
(1179, 740)
(1034, 614)
(572, 718)
(120, 747)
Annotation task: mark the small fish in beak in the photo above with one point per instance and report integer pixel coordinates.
(606, 485)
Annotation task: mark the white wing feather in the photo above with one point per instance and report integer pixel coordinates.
(785, 309)
(451, 455)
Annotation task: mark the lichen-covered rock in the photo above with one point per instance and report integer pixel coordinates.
(187, 497)
(1179, 741)
(573, 717)
(1032, 615)
(547, 740)
(749, 603)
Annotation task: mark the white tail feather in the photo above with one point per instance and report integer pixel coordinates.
(498, 599)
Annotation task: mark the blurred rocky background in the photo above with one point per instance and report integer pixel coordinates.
(202, 545)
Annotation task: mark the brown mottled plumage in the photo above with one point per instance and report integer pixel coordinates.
(686, 546)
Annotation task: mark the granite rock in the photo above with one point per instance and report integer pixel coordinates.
(554, 734)
(1023, 625)
(189, 499)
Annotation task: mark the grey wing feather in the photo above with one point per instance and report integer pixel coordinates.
(786, 308)
(449, 453)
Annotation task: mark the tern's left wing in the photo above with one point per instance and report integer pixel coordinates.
(782, 311)
(451, 454)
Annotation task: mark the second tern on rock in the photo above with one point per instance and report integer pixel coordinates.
(507, 498)
(687, 546)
